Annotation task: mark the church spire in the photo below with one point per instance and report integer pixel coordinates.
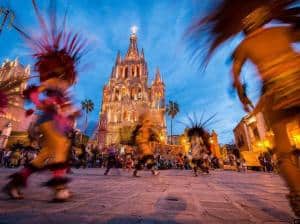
(118, 58)
(142, 54)
(133, 51)
(158, 78)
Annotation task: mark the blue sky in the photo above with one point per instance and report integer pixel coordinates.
(162, 23)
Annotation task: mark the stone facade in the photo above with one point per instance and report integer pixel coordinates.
(15, 113)
(127, 95)
(252, 134)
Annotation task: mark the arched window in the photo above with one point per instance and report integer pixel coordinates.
(129, 117)
(139, 93)
(123, 92)
(132, 71)
(138, 71)
(120, 72)
(132, 94)
(126, 73)
(117, 93)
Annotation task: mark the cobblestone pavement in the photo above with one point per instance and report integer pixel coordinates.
(174, 196)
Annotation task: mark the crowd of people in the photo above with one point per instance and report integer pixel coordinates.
(90, 157)
(124, 157)
(16, 158)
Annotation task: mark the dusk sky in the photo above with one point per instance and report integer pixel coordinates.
(161, 27)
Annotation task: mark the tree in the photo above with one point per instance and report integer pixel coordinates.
(88, 106)
(172, 110)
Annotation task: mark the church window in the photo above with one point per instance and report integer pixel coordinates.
(137, 71)
(120, 72)
(132, 94)
(129, 117)
(117, 95)
(126, 73)
(132, 71)
(123, 92)
(139, 93)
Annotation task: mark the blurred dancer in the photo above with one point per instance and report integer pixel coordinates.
(199, 154)
(128, 162)
(112, 159)
(196, 157)
(56, 55)
(144, 133)
(278, 65)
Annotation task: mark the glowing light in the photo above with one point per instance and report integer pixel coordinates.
(134, 29)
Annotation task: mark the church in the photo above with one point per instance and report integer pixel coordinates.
(127, 94)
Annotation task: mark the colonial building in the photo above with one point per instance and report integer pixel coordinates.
(15, 113)
(128, 94)
(252, 134)
(253, 137)
(13, 119)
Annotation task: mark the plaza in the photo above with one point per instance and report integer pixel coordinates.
(175, 196)
(206, 92)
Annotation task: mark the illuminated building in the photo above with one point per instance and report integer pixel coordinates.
(253, 137)
(15, 113)
(127, 95)
(252, 134)
(13, 119)
(214, 143)
(293, 129)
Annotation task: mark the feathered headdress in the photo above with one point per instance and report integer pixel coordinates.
(56, 52)
(229, 17)
(198, 128)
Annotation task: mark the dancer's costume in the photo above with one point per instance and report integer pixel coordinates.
(278, 65)
(199, 152)
(56, 54)
(199, 140)
(145, 132)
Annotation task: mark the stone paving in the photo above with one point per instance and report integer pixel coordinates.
(174, 196)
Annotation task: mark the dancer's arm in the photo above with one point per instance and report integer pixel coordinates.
(238, 61)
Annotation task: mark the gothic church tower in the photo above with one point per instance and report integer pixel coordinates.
(127, 94)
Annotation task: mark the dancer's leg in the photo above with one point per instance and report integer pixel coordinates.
(19, 179)
(288, 169)
(138, 166)
(58, 161)
(195, 166)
